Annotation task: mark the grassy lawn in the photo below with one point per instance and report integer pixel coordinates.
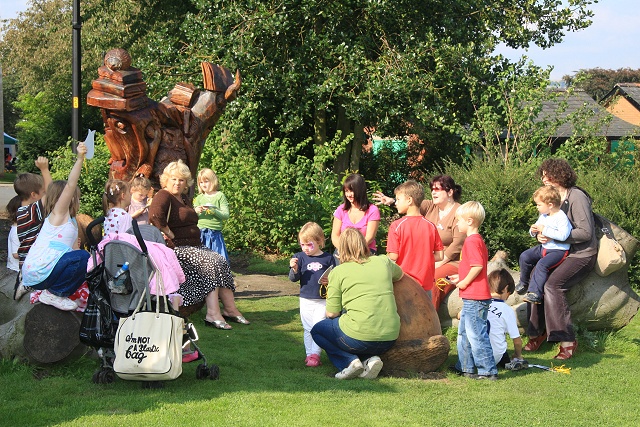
(264, 382)
(8, 177)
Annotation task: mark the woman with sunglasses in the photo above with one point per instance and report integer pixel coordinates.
(441, 210)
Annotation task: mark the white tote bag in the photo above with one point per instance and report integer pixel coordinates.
(148, 344)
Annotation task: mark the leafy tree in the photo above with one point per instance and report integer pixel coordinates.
(325, 68)
(598, 82)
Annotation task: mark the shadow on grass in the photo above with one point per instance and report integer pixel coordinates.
(266, 356)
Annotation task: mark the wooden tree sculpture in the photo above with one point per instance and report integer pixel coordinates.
(143, 135)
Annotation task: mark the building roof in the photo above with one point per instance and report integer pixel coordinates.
(631, 91)
(578, 101)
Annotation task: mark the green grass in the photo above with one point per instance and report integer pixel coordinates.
(258, 264)
(264, 382)
(7, 177)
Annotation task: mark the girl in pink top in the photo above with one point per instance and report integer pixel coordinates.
(356, 212)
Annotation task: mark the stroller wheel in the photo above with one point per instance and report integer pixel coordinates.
(109, 377)
(202, 372)
(215, 372)
(96, 376)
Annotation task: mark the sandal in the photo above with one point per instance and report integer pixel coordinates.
(237, 319)
(535, 342)
(565, 353)
(218, 324)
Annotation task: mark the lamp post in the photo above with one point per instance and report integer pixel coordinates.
(76, 85)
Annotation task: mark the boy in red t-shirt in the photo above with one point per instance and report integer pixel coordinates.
(474, 345)
(413, 242)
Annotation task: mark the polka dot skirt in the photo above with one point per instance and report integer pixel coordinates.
(204, 270)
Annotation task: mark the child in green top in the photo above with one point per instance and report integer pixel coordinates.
(213, 210)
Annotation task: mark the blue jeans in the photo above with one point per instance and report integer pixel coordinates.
(474, 346)
(68, 274)
(536, 265)
(342, 349)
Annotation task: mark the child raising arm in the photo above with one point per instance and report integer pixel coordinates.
(54, 264)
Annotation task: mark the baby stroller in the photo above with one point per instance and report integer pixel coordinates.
(105, 307)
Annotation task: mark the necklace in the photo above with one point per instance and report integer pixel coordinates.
(444, 212)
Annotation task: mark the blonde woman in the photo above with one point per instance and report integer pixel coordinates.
(362, 319)
(208, 273)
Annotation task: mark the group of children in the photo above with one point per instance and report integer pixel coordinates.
(44, 247)
(414, 244)
(43, 242)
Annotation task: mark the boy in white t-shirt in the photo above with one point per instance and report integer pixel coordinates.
(501, 318)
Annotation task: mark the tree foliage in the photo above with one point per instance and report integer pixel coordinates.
(598, 82)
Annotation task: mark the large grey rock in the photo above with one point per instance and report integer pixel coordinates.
(597, 303)
(12, 315)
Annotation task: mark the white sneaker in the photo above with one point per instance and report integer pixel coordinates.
(354, 369)
(64, 304)
(372, 367)
(20, 292)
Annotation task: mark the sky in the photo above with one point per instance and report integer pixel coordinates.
(611, 42)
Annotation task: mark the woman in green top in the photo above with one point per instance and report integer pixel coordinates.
(362, 319)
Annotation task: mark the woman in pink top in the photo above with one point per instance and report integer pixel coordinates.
(356, 212)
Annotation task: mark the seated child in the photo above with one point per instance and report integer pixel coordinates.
(30, 188)
(13, 243)
(502, 319)
(413, 242)
(140, 201)
(537, 262)
(307, 267)
(54, 264)
(115, 201)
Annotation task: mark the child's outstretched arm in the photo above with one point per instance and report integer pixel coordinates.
(60, 211)
(42, 163)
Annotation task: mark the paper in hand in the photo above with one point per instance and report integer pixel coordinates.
(325, 274)
(89, 142)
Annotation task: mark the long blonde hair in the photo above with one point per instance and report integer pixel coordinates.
(353, 246)
(53, 194)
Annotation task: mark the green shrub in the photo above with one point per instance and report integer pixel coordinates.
(94, 175)
(505, 193)
(271, 198)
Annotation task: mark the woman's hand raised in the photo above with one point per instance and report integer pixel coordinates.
(381, 199)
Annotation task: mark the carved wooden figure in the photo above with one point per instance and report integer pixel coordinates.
(143, 136)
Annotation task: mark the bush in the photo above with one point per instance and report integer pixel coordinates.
(505, 193)
(93, 177)
(271, 199)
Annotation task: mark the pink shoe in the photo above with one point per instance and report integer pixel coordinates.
(313, 360)
(190, 357)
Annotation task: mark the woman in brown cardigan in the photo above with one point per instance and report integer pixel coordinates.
(441, 210)
(208, 275)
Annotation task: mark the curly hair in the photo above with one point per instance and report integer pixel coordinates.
(179, 168)
(558, 171)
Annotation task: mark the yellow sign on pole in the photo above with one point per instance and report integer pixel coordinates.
(76, 103)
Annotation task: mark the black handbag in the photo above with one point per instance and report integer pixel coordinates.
(98, 325)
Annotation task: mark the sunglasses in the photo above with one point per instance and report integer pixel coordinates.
(438, 189)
